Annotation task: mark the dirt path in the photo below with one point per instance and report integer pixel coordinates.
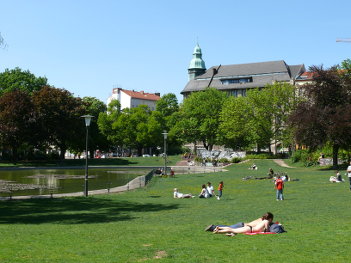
(281, 162)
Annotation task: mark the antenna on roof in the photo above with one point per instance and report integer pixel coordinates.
(215, 71)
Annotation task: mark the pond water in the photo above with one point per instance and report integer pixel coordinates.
(47, 181)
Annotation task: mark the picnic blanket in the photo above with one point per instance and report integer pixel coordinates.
(259, 233)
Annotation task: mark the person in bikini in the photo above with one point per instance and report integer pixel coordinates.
(259, 225)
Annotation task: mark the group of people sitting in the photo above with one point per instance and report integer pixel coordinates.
(263, 224)
(206, 192)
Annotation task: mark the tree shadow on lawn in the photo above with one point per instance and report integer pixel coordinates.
(78, 210)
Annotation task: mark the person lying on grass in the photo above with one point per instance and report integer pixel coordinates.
(176, 194)
(240, 224)
(259, 225)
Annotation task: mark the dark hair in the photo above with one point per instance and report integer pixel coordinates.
(267, 216)
(221, 182)
(203, 186)
(208, 183)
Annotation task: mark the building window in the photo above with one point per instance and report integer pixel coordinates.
(237, 92)
(236, 80)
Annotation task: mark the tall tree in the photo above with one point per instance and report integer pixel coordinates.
(106, 121)
(16, 120)
(200, 114)
(325, 114)
(59, 117)
(97, 140)
(17, 79)
(236, 129)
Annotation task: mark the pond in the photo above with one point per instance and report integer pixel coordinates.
(47, 181)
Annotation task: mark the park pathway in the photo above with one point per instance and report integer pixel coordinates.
(281, 162)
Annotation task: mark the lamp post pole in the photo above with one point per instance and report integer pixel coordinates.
(165, 151)
(87, 119)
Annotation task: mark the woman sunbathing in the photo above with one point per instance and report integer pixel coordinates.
(176, 194)
(258, 225)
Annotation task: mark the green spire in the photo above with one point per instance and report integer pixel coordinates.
(197, 62)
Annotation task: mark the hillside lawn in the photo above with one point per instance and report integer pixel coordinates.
(148, 225)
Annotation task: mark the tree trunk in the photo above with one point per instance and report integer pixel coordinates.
(140, 151)
(63, 149)
(14, 155)
(91, 153)
(335, 155)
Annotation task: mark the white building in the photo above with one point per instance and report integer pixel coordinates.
(132, 99)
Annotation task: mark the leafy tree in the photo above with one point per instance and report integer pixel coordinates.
(200, 114)
(132, 125)
(325, 114)
(59, 117)
(16, 120)
(236, 129)
(17, 79)
(167, 105)
(97, 140)
(106, 120)
(168, 109)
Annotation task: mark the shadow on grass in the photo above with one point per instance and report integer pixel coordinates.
(73, 210)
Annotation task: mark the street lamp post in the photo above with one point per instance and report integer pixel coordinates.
(165, 151)
(87, 119)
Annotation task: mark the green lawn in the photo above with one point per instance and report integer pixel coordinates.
(148, 225)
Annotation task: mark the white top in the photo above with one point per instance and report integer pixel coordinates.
(210, 189)
(204, 192)
(176, 194)
(349, 171)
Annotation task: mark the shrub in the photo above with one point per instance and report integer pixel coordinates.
(236, 160)
(223, 160)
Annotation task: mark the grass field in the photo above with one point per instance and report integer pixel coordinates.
(148, 225)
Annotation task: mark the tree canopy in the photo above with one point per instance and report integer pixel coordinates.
(324, 116)
(24, 80)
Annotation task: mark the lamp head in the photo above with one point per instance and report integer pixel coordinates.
(87, 119)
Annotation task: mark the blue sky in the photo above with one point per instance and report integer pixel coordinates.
(90, 46)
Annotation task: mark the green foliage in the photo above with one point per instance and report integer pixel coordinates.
(306, 157)
(167, 105)
(236, 128)
(260, 156)
(17, 79)
(200, 116)
(236, 160)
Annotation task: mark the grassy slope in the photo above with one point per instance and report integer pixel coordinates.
(141, 225)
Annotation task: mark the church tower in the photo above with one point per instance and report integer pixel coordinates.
(197, 65)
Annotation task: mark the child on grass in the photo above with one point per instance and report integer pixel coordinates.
(220, 190)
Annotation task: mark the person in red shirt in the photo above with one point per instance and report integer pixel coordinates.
(279, 186)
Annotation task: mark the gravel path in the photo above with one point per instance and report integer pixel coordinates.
(282, 163)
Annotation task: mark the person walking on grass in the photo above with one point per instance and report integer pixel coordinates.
(220, 190)
(279, 186)
(349, 174)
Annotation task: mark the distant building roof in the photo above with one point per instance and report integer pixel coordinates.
(305, 76)
(141, 95)
(260, 74)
